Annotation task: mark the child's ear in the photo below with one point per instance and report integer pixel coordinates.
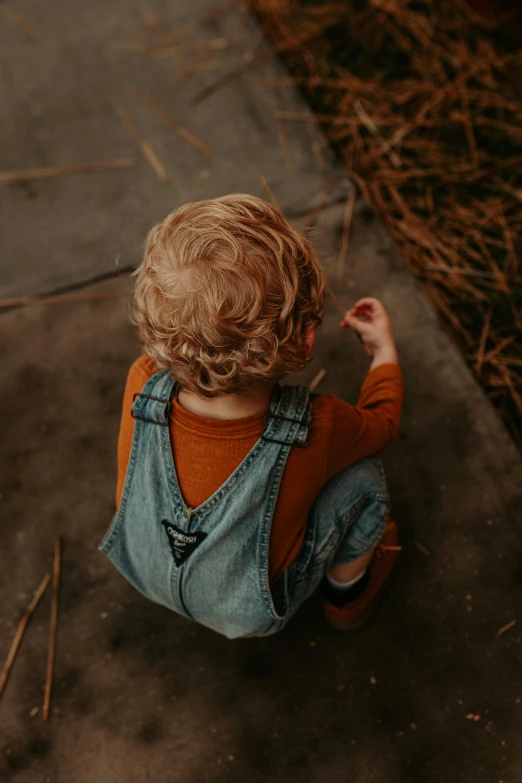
(309, 339)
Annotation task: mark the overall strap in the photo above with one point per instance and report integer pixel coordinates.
(152, 405)
(289, 420)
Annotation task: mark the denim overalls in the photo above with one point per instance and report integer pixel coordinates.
(210, 563)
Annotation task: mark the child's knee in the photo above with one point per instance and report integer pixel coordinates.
(367, 476)
(355, 486)
(367, 515)
(353, 505)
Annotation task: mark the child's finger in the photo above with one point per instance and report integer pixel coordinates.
(364, 308)
(364, 312)
(367, 301)
(370, 307)
(351, 321)
(344, 323)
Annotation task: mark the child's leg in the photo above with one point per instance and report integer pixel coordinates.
(349, 604)
(348, 572)
(364, 508)
(347, 523)
(351, 513)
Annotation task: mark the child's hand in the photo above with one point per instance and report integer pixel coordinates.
(371, 322)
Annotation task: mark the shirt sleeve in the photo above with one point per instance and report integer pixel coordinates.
(371, 426)
(139, 373)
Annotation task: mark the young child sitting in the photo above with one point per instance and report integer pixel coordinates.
(237, 496)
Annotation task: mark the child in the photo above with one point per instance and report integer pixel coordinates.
(238, 497)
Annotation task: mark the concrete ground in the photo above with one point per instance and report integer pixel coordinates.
(140, 694)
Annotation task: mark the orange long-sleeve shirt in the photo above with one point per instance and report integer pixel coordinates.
(341, 434)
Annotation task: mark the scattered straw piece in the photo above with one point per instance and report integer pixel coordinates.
(499, 347)
(255, 42)
(185, 133)
(190, 29)
(21, 630)
(54, 627)
(508, 381)
(439, 303)
(321, 201)
(455, 270)
(153, 24)
(468, 125)
(198, 65)
(282, 132)
(316, 142)
(310, 118)
(316, 381)
(23, 301)
(214, 45)
(334, 299)
(26, 27)
(143, 144)
(422, 548)
(373, 129)
(284, 46)
(347, 222)
(506, 627)
(407, 128)
(314, 81)
(241, 29)
(269, 191)
(482, 343)
(25, 175)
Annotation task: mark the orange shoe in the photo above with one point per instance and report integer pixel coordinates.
(353, 615)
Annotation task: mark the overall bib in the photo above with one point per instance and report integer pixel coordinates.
(210, 563)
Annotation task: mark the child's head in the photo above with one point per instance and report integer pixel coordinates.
(226, 294)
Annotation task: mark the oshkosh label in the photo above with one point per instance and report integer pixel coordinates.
(182, 544)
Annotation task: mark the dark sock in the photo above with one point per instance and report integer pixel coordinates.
(339, 596)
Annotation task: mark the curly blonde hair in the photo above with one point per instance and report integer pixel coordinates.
(225, 294)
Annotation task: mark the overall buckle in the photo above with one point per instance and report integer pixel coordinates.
(298, 443)
(167, 404)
